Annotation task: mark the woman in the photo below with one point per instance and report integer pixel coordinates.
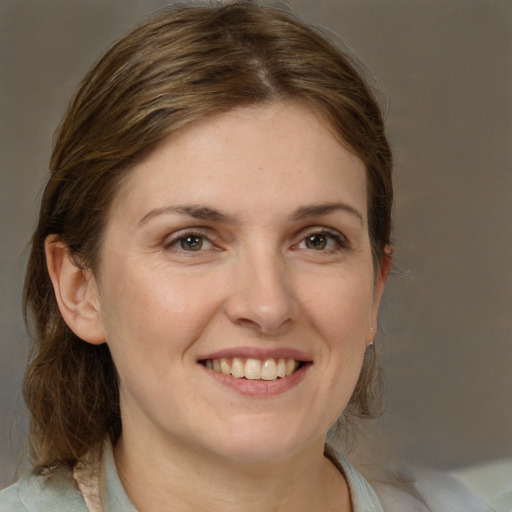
(206, 272)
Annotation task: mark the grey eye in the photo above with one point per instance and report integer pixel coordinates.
(316, 241)
(191, 243)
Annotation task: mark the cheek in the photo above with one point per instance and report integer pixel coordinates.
(155, 309)
(341, 313)
(340, 308)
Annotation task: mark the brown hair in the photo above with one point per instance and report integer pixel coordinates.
(178, 67)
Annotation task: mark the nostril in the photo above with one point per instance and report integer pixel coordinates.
(263, 325)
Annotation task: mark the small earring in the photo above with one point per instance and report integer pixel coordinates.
(372, 330)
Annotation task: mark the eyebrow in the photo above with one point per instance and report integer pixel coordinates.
(211, 214)
(195, 211)
(315, 210)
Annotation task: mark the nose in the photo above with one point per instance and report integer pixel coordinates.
(262, 297)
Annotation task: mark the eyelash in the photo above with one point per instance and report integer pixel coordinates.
(329, 234)
(176, 239)
(339, 239)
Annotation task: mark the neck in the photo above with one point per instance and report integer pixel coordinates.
(156, 479)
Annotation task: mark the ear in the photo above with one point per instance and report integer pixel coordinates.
(76, 291)
(380, 281)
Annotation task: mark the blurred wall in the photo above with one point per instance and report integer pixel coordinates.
(445, 69)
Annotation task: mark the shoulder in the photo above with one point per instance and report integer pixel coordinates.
(362, 494)
(427, 490)
(405, 488)
(54, 491)
(444, 493)
(491, 480)
(10, 499)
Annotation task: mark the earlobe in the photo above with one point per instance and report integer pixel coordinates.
(76, 292)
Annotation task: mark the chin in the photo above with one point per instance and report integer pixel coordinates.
(263, 441)
(256, 453)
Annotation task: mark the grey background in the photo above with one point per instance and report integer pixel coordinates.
(445, 69)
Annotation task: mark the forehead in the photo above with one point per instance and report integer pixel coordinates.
(255, 157)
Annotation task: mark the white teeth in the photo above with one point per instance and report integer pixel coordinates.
(269, 370)
(224, 367)
(237, 368)
(291, 366)
(253, 369)
(281, 368)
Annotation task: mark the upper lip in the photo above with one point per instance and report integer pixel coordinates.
(258, 353)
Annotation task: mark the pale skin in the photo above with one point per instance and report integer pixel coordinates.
(246, 231)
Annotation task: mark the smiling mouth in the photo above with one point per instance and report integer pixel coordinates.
(253, 369)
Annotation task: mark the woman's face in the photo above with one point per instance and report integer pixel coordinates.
(239, 245)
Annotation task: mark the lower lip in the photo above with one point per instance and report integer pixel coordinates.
(260, 388)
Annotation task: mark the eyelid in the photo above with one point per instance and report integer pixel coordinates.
(337, 235)
(208, 234)
(176, 236)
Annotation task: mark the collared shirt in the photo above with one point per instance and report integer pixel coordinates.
(96, 487)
